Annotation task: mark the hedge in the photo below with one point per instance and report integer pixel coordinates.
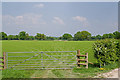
(106, 51)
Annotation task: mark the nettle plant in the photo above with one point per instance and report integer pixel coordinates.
(106, 51)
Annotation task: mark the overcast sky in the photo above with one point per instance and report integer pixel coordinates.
(57, 18)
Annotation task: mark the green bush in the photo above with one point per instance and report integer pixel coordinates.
(119, 50)
(106, 51)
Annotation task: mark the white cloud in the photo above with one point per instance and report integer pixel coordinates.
(79, 18)
(39, 5)
(23, 20)
(19, 17)
(58, 20)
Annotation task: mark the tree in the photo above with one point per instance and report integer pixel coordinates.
(105, 36)
(3, 36)
(23, 35)
(67, 36)
(83, 35)
(50, 38)
(27, 36)
(99, 37)
(16, 37)
(40, 36)
(31, 38)
(60, 38)
(110, 35)
(10, 37)
(93, 37)
(116, 35)
(77, 36)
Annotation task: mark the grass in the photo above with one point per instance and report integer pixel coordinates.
(29, 46)
(10, 73)
(93, 71)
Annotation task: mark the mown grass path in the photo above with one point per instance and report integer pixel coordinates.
(55, 74)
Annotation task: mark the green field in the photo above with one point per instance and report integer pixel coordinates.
(36, 46)
(29, 46)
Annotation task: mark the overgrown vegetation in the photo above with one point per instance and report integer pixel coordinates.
(106, 51)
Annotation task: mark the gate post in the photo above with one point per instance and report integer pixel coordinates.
(4, 54)
(78, 57)
(86, 57)
(2, 61)
(82, 60)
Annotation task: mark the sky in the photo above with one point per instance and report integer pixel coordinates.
(57, 18)
(60, 0)
(0, 17)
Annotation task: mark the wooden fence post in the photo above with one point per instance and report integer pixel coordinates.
(82, 60)
(78, 57)
(86, 57)
(4, 63)
(1, 63)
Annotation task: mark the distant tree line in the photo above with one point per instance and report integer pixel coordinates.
(83, 35)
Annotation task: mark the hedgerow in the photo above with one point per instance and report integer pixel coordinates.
(106, 51)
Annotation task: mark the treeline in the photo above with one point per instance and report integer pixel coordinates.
(83, 35)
